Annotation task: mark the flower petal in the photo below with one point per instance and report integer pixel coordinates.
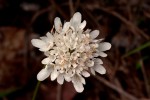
(76, 20)
(92, 71)
(37, 43)
(82, 79)
(57, 24)
(98, 61)
(44, 39)
(67, 78)
(71, 72)
(60, 79)
(43, 74)
(94, 34)
(77, 83)
(100, 69)
(54, 75)
(78, 87)
(52, 58)
(66, 26)
(95, 54)
(82, 25)
(89, 63)
(104, 46)
(46, 61)
(45, 47)
(102, 54)
(49, 36)
(85, 73)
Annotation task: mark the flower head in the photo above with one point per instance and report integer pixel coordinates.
(71, 52)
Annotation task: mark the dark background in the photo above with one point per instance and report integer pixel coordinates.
(123, 23)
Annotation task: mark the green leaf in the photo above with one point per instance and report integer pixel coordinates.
(138, 64)
(137, 49)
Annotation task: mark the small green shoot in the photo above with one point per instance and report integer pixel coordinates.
(137, 49)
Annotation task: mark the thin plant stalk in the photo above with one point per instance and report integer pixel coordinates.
(58, 97)
(36, 90)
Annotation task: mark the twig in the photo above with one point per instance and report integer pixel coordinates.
(38, 13)
(71, 7)
(145, 78)
(58, 9)
(92, 18)
(58, 97)
(117, 83)
(117, 89)
(131, 26)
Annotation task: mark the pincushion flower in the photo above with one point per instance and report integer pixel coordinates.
(72, 53)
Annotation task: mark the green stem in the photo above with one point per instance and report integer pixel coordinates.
(36, 90)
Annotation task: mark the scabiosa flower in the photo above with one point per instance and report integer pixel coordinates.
(71, 52)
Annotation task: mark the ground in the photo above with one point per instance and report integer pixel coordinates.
(123, 23)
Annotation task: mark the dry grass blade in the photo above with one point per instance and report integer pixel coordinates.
(145, 78)
(117, 89)
(38, 13)
(135, 30)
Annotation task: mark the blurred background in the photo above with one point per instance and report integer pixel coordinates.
(123, 23)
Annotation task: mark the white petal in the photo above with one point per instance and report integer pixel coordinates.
(90, 63)
(98, 61)
(85, 74)
(54, 75)
(37, 43)
(54, 52)
(57, 24)
(46, 61)
(82, 25)
(43, 74)
(71, 72)
(66, 26)
(94, 34)
(50, 36)
(45, 47)
(82, 79)
(104, 46)
(49, 67)
(78, 87)
(92, 71)
(60, 79)
(77, 84)
(52, 58)
(102, 54)
(100, 69)
(44, 39)
(76, 19)
(67, 78)
(98, 40)
(95, 54)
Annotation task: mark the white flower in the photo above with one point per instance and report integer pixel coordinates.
(45, 43)
(71, 53)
